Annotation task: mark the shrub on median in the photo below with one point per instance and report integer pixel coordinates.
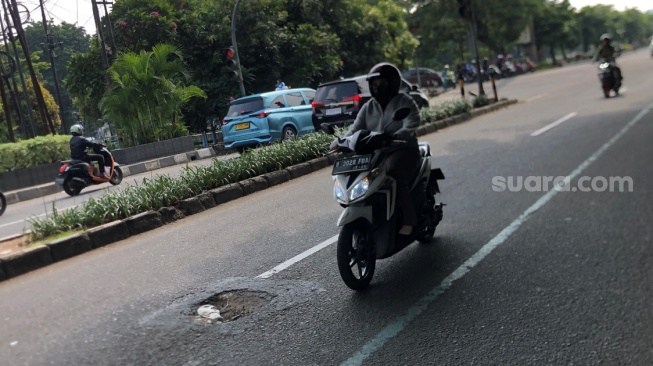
(444, 110)
(33, 152)
(481, 101)
(163, 190)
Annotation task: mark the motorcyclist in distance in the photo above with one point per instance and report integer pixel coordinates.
(607, 51)
(377, 116)
(78, 146)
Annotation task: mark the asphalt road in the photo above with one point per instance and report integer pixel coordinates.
(15, 219)
(513, 278)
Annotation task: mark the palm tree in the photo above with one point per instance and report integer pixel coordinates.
(148, 93)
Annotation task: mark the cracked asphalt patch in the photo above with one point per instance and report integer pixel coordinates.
(252, 300)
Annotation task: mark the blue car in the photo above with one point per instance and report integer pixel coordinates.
(268, 117)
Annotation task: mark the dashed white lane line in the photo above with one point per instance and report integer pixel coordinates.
(552, 125)
(298, 257)
(400, 323)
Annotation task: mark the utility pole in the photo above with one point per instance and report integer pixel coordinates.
(7, 110)
(50, 41)
(13, 88)
(35, 81)
(98, 26)
(235, 46)
(112, 41)
(19, 67)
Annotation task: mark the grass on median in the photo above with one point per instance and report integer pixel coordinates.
(164, 191)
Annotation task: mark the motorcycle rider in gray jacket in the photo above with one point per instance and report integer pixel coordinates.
(377, 116)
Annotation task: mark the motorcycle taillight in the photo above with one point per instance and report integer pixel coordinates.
(63, 168)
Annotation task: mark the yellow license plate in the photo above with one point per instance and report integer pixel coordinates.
(242, 126)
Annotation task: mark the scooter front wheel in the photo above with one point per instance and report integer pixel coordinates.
(116, 178)
(356, 256)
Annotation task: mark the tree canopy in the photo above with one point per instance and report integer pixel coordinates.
(303, 43)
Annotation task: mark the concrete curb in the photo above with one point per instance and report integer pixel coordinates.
(112, 232)
(30, 193)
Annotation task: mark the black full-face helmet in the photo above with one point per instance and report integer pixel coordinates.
(385, 81)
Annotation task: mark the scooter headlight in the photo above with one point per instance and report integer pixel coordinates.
(604, 65)
(359, 189)
(338, 192)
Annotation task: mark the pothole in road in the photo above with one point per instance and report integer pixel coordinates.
(233, 304)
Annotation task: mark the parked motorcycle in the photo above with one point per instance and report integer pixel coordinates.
(608, 80)
(370, 222)
(3, 203)
(75, 175)
(496, 71)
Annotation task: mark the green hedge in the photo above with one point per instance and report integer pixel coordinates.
(41, 150)
(444, 110)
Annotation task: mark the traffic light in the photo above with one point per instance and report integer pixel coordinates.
(232, 63)
(465, 9)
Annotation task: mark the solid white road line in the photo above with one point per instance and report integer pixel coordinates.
(298, 257)
(550, 126)
(399, 324)
(43, 214)
(531, 99)
(12, 223)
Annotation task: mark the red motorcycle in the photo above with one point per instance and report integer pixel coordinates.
(75, 175)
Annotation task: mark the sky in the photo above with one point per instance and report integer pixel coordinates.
(80, 12)
(643, 5)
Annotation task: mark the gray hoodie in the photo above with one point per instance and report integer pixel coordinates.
(373, 118)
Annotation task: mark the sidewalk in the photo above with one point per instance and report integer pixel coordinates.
(42, 190)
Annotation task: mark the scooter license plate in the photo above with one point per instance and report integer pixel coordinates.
(354, 164)
(59, 180)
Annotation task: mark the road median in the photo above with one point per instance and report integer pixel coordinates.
(103, 233)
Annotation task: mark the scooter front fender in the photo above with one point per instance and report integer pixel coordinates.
(353, 213)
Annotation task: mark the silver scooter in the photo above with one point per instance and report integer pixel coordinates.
(370, 221)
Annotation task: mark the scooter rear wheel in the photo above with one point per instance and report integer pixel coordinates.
(356, 257)
(69, 187)
(3, 203)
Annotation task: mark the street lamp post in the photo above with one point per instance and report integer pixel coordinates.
(235, 46)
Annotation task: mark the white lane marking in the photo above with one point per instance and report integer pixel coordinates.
(12, 223)
(399, 324)
(531, 99)
(298, 257)
(551, 125)
(43, 214)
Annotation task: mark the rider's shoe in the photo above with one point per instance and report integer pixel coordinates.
(406, 230)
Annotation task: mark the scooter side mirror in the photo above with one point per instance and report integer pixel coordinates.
(327, 128)
(401, 114)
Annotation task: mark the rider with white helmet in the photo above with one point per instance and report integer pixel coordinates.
(78, 146)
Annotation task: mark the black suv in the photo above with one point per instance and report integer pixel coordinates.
(338, 102)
